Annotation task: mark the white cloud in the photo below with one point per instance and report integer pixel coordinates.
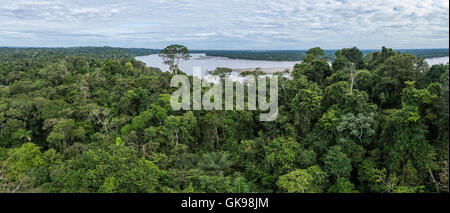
(226, 24)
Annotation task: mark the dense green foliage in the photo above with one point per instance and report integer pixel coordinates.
(96, 120)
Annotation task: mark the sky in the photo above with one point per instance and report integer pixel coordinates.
(226, 24)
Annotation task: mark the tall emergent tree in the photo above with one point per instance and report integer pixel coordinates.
(172, 55)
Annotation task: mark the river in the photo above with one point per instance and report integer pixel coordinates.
(208, 63)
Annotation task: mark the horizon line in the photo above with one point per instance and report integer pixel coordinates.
(47, 47)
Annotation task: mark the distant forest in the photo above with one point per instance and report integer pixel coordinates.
(86, 52)
(299, 55)
(270, 55)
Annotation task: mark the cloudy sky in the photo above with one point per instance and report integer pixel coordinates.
(226, 24)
